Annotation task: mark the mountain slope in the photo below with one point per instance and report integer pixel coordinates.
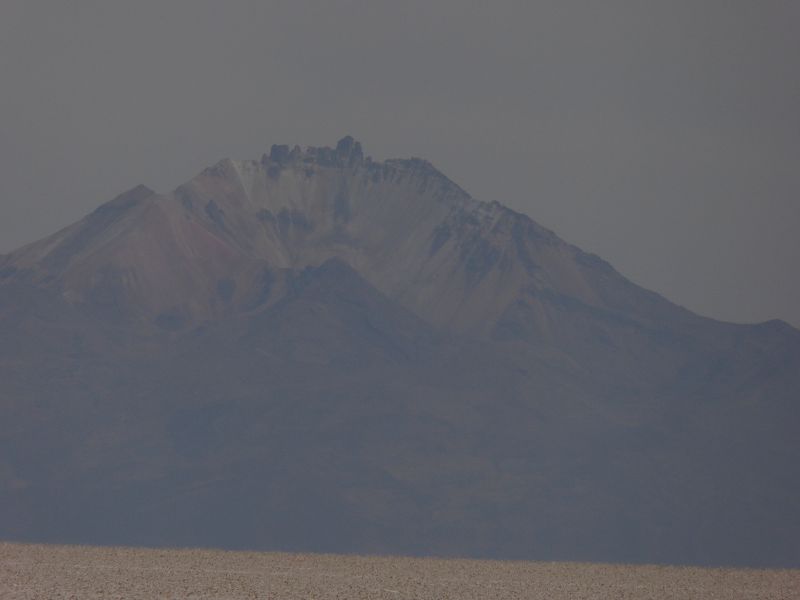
(408, 229)
(317, 351)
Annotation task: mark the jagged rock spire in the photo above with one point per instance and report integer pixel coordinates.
(348, 153)
(348, 150)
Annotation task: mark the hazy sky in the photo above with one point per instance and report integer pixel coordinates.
(664, 136)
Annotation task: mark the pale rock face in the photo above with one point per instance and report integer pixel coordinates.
(415, 235)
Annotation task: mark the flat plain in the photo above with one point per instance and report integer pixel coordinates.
(30, 571)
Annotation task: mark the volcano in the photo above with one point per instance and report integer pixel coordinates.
(317, 351)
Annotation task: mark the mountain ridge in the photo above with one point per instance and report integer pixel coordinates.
(475, 222)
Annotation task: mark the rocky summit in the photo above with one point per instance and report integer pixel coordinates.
(317, 351)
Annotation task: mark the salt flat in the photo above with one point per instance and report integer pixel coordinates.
(30, 571)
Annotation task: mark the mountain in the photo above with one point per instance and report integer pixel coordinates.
(318, 351)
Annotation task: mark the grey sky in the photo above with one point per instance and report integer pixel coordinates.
(664, 136)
